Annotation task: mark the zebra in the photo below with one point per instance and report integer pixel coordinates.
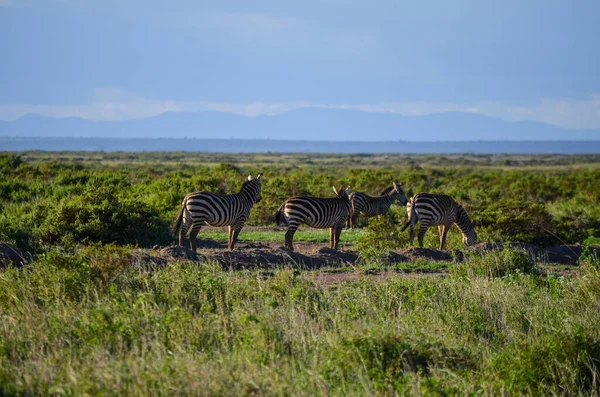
(230, 210)
(370, 206)
(316, 212)
(441, 210)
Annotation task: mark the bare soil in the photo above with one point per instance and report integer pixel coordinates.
(308, 255)
(314, 256)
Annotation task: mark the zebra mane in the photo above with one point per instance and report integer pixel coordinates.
(248, 185)
(461, 216)
(386, 190)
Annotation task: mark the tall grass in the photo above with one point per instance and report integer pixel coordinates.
(90, 322)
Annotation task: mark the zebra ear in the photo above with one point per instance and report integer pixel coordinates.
(259, 177)
(250, 177)
(335, 191)
(395, 186)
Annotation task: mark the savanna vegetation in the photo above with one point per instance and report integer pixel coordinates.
(88, 317)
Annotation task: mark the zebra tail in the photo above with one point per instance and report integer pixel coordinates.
(177, 225)
(278, 216)
(410, 215)
(405, 226)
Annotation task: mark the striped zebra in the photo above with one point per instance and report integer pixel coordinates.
(316, 212)
(370, 206)
(438, 210)
(230, 210)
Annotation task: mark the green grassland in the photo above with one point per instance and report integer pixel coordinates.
(88, 318)
(91, 322)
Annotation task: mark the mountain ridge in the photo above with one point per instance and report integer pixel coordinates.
(310, 124)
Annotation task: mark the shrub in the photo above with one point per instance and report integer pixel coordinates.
(9, 162)
(102, 216)
(518, 221)
(381, 236)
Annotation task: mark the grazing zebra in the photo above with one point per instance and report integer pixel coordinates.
(370, 206)
(232, 210)
(441, 210)
(316, 212)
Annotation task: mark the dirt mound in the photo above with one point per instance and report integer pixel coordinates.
(561, 254)
(141, 258)
(268, 257)
(336, 255)
(570, 253)
(307, 255)
(414, 253)
(395, 257)
(13, 256)
(177, 252)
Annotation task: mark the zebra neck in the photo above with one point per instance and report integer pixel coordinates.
(346, 202)
(248, 195)
(389, 197)
(463, 222)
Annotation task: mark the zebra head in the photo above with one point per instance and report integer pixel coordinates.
(470, 237)
(254, 187)
(398, 193)
(342, 193)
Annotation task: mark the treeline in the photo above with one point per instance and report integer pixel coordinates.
(128, 198)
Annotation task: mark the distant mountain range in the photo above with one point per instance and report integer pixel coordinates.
(310, 124)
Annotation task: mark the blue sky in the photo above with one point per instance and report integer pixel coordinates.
(517, 60)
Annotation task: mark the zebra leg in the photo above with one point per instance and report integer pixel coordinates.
(353, 218)
(331, 237)
(412, 234)
(336, 237)
(183, 234)
(443, 235)
(289, 236)
(229, 236)
(422, 230)
(193, 234)
(234, 233)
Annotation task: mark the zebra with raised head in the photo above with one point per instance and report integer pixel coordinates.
(316, 212)
(230, 210)
(438, 210)
(370, 206)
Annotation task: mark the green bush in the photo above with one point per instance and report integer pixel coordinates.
(9, 162)
(381, 236)
(518, 221)
(101, 215)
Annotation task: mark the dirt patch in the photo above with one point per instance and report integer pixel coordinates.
(562, 254)
(267, 256)
(13, 256)
(177, 252)
(395, 257)
(141, 258)
(310, 255)
(571, 252)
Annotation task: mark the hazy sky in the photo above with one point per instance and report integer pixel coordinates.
(108, 59)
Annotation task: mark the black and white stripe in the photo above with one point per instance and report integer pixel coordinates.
(438, 210)
(316, 212)
(230, 210)
(370, 206)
